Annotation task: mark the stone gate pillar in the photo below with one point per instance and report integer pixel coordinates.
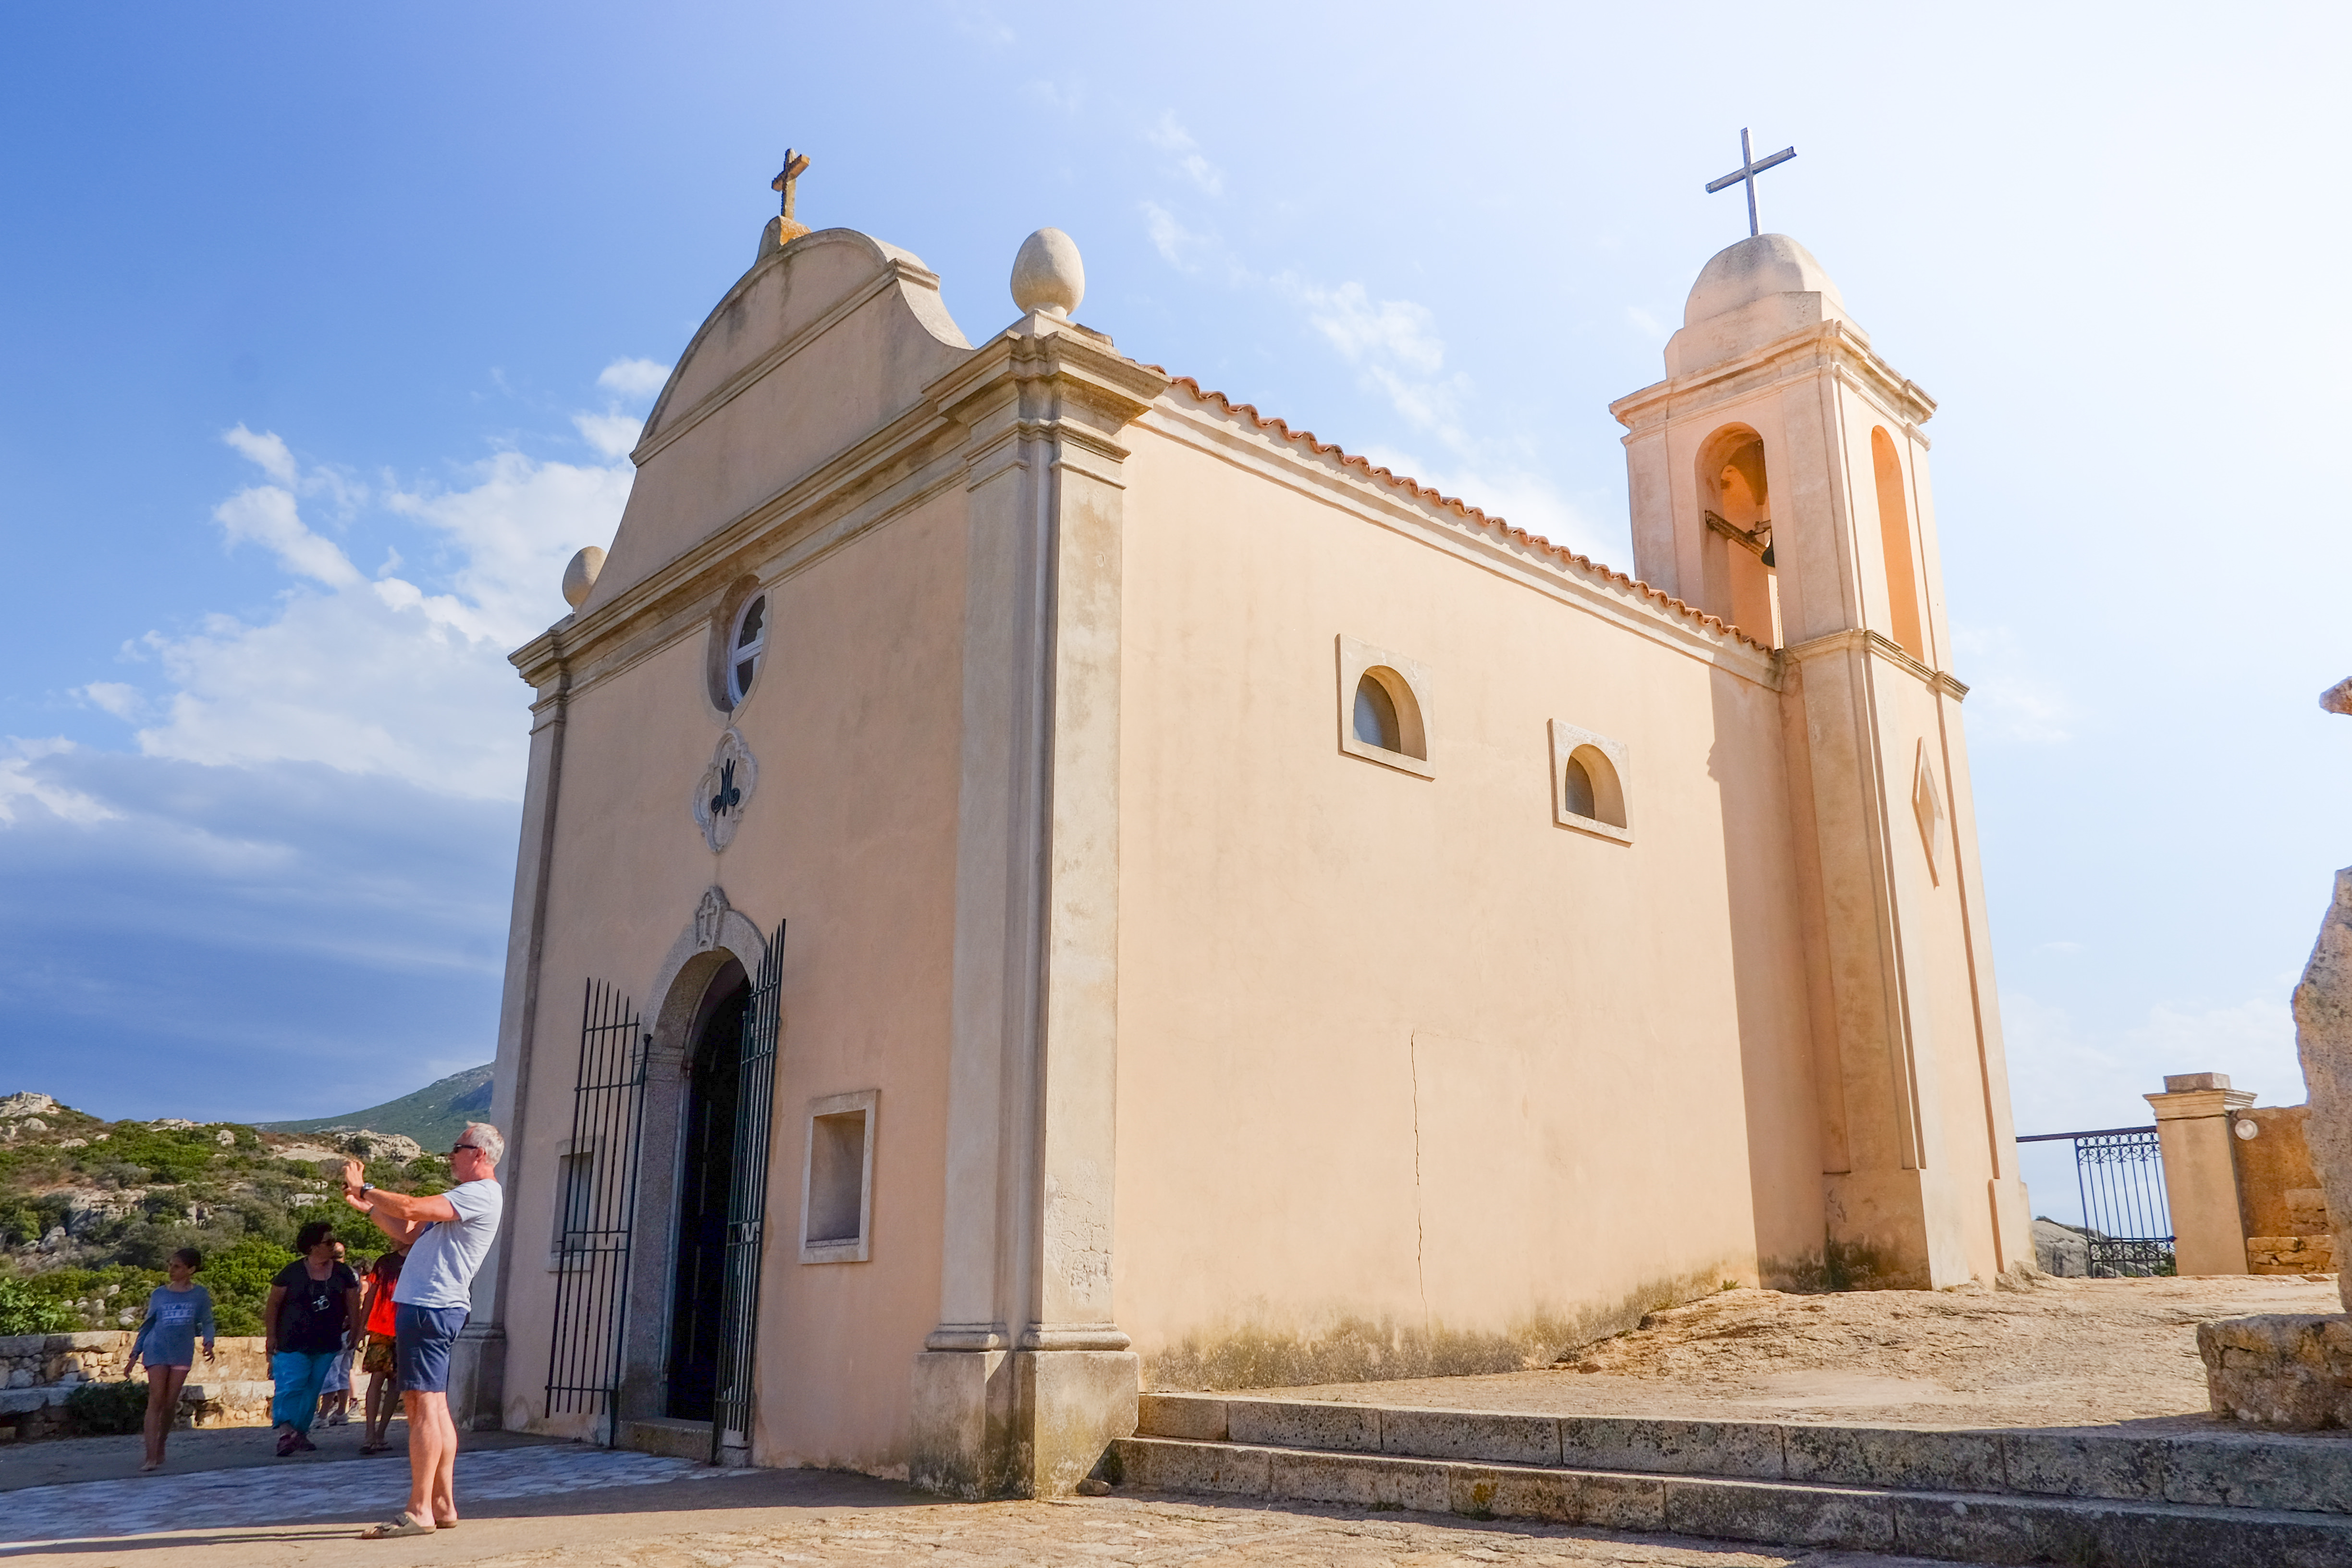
(2200, 1171)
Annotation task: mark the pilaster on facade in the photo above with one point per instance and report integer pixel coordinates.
(1027, 1374)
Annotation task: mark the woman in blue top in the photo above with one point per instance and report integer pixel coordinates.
(176, 1313)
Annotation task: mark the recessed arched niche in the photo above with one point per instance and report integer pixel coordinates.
(1588, 782)
(1895, 545)
(1735, 495)
(1384, 707)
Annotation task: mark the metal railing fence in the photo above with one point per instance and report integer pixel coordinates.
(2126, 1221)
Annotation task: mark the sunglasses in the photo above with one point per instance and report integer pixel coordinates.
(477, 1148)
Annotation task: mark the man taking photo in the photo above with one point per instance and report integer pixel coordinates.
(447, 1236)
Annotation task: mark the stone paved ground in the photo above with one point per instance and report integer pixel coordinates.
(211, 1498)
(764, 1519)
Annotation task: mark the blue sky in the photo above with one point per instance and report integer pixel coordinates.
(326, 328)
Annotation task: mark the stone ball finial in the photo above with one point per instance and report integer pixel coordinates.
(580, 576)
(1048, 275)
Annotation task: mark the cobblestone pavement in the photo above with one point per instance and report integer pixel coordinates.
(214, 1499)
(1158, 1532)
(580, 1508)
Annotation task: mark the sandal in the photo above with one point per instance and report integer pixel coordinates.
(400, 1524)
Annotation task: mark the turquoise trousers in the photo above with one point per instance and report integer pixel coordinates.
(298, 1375)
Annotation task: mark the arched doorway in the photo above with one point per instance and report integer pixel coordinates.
(705, 1171)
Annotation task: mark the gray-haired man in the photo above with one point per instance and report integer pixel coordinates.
(449, 1235)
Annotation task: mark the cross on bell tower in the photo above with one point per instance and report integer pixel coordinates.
(1743, 174)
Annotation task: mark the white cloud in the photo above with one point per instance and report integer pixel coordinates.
(386, 676)
(633, 378)
(21, 786)
(1177, 245)
(1051, 95)
(267, 515)
(979, 23)
(266, 450)
(114, 697)
(2010, 697)
(1169, 136)
(614, 435)
(1361, 329)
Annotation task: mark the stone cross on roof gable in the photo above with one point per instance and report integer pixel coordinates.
(796, 165)
(1743, 174)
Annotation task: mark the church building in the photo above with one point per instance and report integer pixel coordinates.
(1039, 881)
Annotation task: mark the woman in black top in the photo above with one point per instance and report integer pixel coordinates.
(314, 1306)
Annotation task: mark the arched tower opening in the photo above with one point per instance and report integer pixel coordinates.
(1735, 497)
(1895, 545)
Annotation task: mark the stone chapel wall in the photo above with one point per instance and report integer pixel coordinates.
(1412, 1077)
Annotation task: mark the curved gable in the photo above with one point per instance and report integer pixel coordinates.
(817, 346)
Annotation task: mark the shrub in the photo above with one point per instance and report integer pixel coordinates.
(25, 1311)
(239, 1277)
(105, 1409)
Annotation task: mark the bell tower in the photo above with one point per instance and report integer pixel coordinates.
(1778, 480)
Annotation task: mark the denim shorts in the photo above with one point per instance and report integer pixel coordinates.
(421, 1338)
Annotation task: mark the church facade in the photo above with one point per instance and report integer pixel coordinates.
(1039, 881)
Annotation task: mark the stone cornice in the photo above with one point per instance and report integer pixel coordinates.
(1071, 368)
(1082, 387)
(895, 462)
(1883, 646)
(1832, 343)
(2199, 1104)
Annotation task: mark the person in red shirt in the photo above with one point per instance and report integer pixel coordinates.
(377, 1359)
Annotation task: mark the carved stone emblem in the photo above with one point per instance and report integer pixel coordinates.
(709, 916)
(724, 790)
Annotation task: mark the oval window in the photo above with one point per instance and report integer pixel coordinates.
(1376, 716)
(751, 641)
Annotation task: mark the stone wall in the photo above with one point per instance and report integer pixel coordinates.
(2285, 1212)
(39, 1372)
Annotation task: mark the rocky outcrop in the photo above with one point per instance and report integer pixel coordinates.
(2322, 1032)
(2296, 1370)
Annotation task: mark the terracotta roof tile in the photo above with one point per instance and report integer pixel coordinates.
(1533, 541)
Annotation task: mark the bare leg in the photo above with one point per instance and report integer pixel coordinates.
(445, 1480)
(426, 1414)
(162, 1401)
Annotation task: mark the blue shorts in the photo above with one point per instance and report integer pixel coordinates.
(421, 1338)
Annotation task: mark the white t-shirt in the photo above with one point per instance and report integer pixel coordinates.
(441, 1262)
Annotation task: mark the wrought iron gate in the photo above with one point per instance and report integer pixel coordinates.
(2126, 1221)
(596, 1203)
(746, 1204)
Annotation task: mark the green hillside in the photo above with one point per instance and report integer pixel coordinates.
(434, 1115)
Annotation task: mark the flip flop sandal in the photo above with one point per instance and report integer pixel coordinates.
(394, 1528)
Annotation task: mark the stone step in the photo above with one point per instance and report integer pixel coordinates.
(2291, 1472)
(666, 1436)
(1968, 1527)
